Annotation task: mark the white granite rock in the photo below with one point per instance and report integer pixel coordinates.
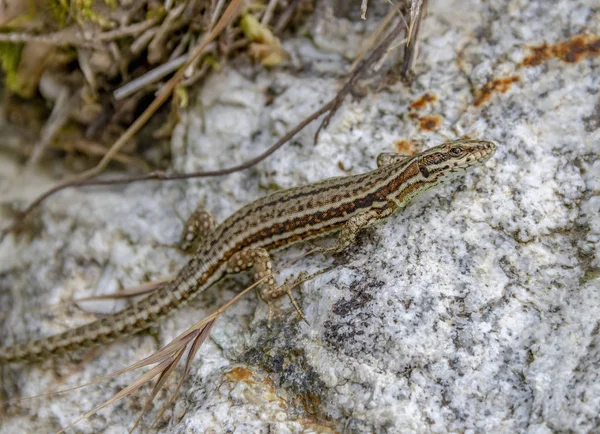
(474, 310)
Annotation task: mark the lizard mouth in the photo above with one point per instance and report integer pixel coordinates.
(484, 152)
(480, 152)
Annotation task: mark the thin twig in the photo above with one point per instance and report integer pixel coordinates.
(79, 39)
(363, 9)
(85, 146)
(377, 53)
(65, 104)
(373, 37)
(150, 77)
(132, 30)
(216, 13)
(142, 41)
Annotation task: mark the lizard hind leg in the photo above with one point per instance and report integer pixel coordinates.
(195, 229)
(260, 261)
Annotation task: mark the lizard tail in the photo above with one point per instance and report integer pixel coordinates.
(131, 320)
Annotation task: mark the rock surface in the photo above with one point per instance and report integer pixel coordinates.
(474, 310)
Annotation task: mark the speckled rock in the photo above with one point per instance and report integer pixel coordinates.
(474, 310)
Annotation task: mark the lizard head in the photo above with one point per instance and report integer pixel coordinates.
(451, 159)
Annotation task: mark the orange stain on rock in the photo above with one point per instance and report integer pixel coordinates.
(570, 51)
(239, 373)
(404, 147)
(430, 123)
(422, 101)
(501, 85)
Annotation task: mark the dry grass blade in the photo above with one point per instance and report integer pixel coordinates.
(151, 76)
(191, 354)
(374, 37)
(167, 359)
(286, 16)
(173, 347)
(159, 357)
(169, 356)
(64, 106)
(143, 289)
(164, 376)
(415, 12)
(125, 392)
(78, 39)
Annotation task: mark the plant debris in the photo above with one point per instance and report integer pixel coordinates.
(105, 58)
(110, 58)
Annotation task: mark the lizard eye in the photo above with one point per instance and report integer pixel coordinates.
(455, 151)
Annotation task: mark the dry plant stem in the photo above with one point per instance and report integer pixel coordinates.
(373, 37)
(79, 39)
(166, 27)
(65, 104)
(377, 53)
(84, 146)
(363, 9)
(51, 39)
(228, 15)
(92, 148)
(149, 77)
(83, 58)
(266, 18)
(216, 12)
(417, 12)
(181, 47)
(286, 16)
(142, 41)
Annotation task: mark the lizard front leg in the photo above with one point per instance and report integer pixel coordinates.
(354, 225)
(259, 258)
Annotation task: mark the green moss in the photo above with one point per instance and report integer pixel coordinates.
(10, 56)
(81, 10)
(84, 12)
(59, 10)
